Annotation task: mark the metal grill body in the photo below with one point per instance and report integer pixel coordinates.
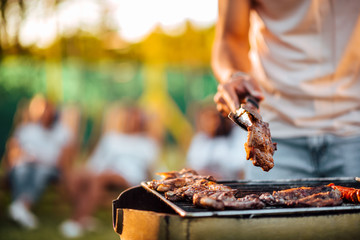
(141, 213)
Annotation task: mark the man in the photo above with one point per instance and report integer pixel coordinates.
(305, 70)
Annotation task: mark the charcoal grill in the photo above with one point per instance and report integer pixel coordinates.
(142, 213)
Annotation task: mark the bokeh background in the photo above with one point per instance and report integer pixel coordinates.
(92, 53)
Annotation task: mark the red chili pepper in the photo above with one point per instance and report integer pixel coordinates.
(350, 194)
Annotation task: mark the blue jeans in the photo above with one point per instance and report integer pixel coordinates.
(312, 157)
(28, 180)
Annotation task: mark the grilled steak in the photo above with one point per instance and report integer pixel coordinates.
(225, 199)
(303, 197)
(187, 192)
(208, 199)
(167, 184)
(251, 201)
(259, 147)
(173, 180)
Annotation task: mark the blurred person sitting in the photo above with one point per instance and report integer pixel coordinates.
(33, 157)
(217, 148)
(121, 159)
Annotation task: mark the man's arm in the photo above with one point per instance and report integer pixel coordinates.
(231, 45)
(230, 60)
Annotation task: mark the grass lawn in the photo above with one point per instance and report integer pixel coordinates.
(51, 211)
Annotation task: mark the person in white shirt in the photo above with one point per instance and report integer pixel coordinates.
(122, 158)
(128, 155)
(33, 158)
(301, 59)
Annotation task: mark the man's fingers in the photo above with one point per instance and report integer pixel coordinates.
(229, 96)
(221, 105)
(222, 109)
(217, 97)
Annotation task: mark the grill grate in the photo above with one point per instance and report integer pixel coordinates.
(187, 209)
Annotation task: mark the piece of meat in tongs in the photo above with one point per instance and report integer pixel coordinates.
(259, 146)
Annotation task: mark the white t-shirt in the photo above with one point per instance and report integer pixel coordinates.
(127, 155)
(307, 59)
(41, 144)
(224, 154)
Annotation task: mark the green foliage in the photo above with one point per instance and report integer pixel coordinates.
(90, 71)
(22, 74)
(187, 85)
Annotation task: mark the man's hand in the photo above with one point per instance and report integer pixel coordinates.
(232, 93)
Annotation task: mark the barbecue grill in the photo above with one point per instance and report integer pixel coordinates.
(142, 213)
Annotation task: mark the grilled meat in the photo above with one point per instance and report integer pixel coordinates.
(173, 180)
(186, 172)
(187, 192)
(251, 201)
(204, 200)
(303, 197)
(322, 199)
(201, 185)
(259, 146)
(203, 191)
(167, 184)
(225, 199)
(213, 199)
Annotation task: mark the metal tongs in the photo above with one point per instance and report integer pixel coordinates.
(247, 113)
